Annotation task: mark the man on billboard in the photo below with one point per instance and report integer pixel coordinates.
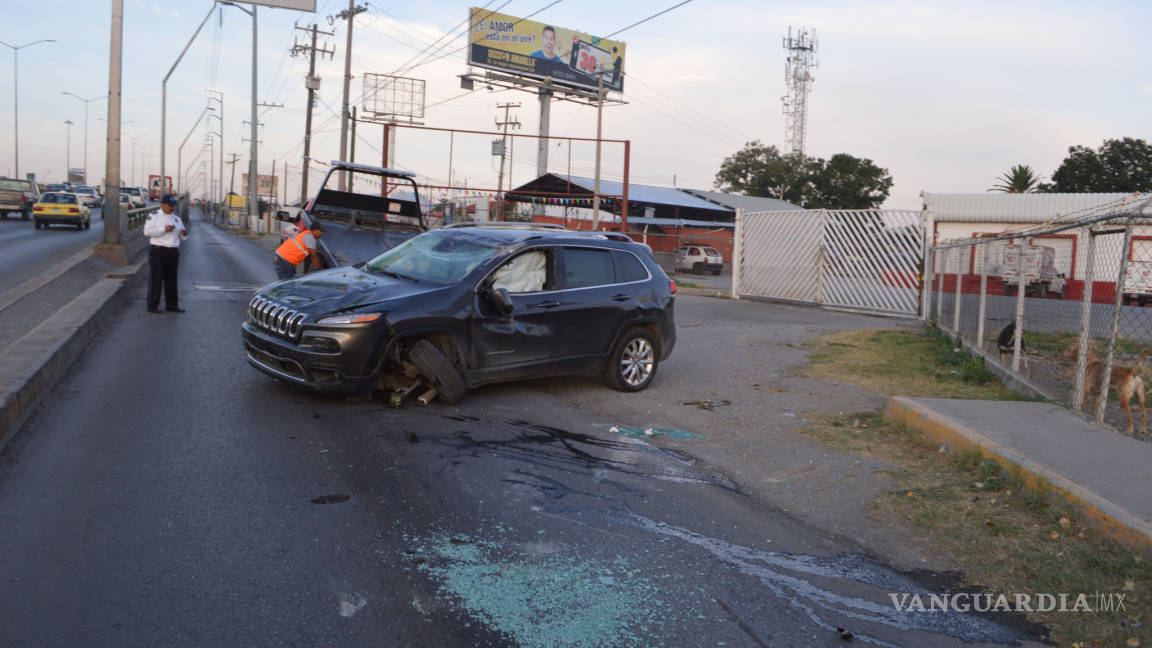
(548, 51)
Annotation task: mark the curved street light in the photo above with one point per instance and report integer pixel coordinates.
(86, 102)
(16, 95)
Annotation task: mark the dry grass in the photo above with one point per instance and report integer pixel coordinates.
(1004, 538)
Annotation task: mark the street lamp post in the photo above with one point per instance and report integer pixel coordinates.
(87, 180)
(68, 153)
(132, 173)
(16, 95)
(180, 151)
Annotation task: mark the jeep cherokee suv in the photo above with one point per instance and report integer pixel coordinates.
(467, 305)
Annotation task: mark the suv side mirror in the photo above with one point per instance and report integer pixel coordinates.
(502, 300)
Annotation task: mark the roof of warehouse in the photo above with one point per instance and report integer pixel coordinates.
(747, 203)
(645, 193)
(1028, 208)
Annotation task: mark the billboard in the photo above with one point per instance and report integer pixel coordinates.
(265, 184)
(298, 5)
(532, 49)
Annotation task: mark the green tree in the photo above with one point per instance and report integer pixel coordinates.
(1018, 179)
(842, 182)
(1120, 166)
(847, 182)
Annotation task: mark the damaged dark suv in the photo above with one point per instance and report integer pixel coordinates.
(467, 305)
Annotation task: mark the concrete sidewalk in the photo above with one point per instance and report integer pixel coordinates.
(1105, 474)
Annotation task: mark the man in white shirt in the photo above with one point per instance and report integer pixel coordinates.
(165, 232)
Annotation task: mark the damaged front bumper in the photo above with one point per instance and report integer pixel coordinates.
(303, 366)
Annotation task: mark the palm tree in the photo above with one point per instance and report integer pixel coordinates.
(1019, 179)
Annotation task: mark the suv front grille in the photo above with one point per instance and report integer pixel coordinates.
(275, 318)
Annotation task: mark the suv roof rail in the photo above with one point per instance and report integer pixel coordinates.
(507, 225)
(612, 236)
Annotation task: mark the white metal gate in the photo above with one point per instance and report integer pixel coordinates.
(867, 260)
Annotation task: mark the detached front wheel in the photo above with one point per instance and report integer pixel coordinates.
(633, 363)
(438, 369)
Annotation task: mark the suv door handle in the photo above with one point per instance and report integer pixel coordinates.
(547, 304)
(621, 297)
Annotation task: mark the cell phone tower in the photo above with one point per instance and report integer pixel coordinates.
(798, 67)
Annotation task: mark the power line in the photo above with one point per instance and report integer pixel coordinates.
(647, 19)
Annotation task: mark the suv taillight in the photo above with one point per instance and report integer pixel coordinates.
(672, 286)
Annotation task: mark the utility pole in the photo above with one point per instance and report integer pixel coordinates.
(599, 131)
(503, 150)
(231, 185)
(312, 82)
(352, 140)
(221, 134)
(349, 15)
(68, 152)
(111, 245)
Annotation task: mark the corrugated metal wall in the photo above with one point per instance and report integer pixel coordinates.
(1019, 208)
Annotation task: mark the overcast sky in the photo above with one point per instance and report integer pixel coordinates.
(945, 95)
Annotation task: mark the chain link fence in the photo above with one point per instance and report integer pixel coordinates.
(1061, 305)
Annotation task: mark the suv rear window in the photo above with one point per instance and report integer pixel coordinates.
(15, 185)
(585, 267)
(629, 268)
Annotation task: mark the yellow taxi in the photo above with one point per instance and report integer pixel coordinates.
(60, 208)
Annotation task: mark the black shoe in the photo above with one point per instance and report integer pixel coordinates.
(175, 310)
(153, 309)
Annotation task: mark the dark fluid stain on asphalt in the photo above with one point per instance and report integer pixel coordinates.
(330, 499)
(566, 600)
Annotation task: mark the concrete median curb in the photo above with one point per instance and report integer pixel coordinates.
(1112, 519)
(32, 365)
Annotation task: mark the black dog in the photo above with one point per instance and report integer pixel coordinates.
(1006, 343)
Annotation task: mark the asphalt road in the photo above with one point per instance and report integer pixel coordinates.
(28, 251)
(170, 495)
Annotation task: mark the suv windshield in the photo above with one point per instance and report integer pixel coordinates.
(439, 256)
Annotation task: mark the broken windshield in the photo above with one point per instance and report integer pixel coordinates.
(439, 256)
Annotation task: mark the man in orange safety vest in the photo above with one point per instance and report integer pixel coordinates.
(296, 249)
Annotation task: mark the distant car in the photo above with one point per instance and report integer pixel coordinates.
(54, 187)
(699, 259)
(125, 201)
(17, 196)
(89, 196)
(59, 208)
(135, 195)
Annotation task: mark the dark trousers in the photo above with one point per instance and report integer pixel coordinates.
(284, 270)
(163, 261)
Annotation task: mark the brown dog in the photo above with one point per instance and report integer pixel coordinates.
(1127, 382)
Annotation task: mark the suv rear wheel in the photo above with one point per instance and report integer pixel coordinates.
(633, 363)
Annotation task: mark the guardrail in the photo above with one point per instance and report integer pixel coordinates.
(134, 218)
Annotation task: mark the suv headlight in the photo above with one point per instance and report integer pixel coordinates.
(349, 318)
